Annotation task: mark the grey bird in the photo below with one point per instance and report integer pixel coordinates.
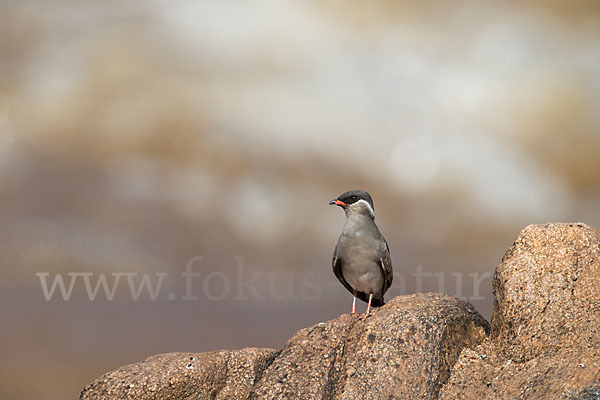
(361, 260)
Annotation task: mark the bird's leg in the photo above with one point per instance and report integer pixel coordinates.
(354, 305)
(368, 312)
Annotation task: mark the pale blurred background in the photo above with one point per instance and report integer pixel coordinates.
(137, 135)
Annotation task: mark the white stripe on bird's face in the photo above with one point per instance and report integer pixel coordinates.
(361, 206)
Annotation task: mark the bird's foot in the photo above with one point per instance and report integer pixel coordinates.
(364, 316)
(355, 313)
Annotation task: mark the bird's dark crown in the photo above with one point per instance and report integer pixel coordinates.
(352, 196)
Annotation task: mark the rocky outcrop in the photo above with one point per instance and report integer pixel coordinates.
(545, 336)
(214, 375)
(544, 342)
(405, 350)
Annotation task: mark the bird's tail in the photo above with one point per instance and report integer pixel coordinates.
(375, 302)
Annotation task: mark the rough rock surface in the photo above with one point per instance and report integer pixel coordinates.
(405, 350)
(214, 375)
(544, 342)
(545, 334)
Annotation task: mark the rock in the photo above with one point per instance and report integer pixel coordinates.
(547, 291)
(544, 342)
(566, 374)
(545, 336)
(405, 350)
(215, 375)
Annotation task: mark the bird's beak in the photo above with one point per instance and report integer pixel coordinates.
(337, 203)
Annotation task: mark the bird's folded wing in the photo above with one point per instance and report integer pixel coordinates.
(386, 267)
(337, 270)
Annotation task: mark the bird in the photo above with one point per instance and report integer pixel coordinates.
(361, 259)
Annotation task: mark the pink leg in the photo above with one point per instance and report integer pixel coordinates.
(368, 313)
(354, 304)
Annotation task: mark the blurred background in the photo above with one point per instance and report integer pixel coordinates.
(138, 136)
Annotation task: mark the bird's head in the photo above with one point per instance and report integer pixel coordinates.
(355, 201)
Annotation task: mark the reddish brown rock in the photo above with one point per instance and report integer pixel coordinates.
(305, 366)
(405, 350)
(547, 291)
(545, 339)
(544, 343)
(183, 376)
(408, 351)
(565, 374)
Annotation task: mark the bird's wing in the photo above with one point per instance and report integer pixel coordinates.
(337, 270)
(386, 267)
